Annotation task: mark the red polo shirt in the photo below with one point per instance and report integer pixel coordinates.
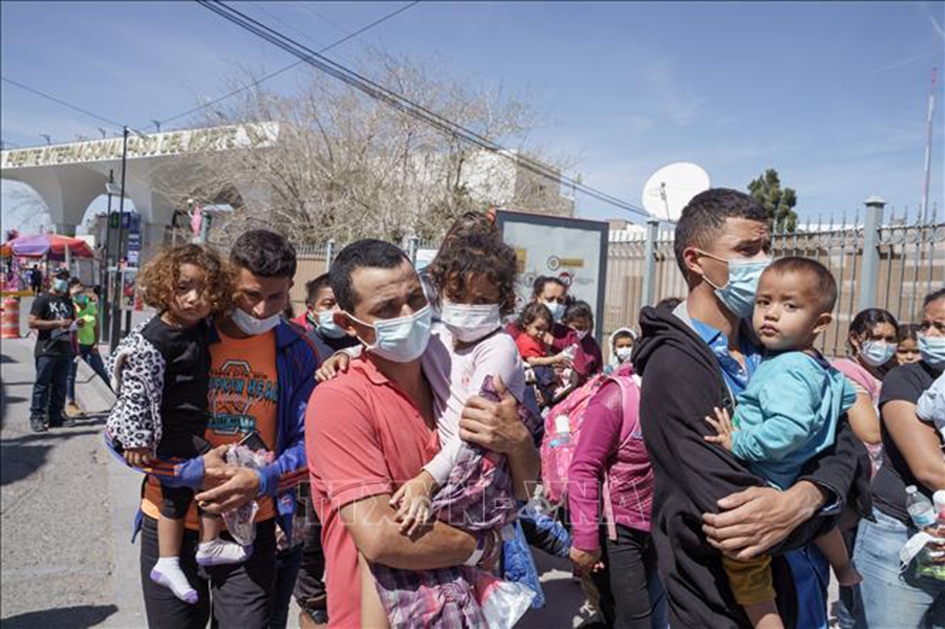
(363, 437)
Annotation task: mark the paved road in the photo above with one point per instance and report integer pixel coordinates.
(56, 507)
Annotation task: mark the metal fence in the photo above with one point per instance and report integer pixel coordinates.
(908, 262)
(887, 261)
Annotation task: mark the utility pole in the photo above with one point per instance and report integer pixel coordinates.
(103, 282)
(116, 301)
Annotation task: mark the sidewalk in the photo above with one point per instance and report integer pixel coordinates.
(59, 508)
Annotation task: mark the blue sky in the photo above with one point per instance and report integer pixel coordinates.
(833, 95)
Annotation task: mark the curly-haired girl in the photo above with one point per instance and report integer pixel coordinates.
(161, 374)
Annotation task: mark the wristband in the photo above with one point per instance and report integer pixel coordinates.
(476, 555)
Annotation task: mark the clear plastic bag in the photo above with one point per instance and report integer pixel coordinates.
(241, 522)
(503, 603)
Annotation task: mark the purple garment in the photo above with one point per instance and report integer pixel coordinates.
(478, 496)
(597, 452)
(588, 361)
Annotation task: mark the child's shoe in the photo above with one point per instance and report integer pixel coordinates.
(219, 552)
(167, 572)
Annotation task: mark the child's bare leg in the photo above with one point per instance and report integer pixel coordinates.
(170, 535)
(764, 615)
(209, 528)
(213, 551)
(167, 571)
(373, 615)
(835, 550)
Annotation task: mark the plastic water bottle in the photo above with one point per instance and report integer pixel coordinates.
(562, 432)
(923, 516)
(570, 351)
(920, 508)
(938, 499)
(935, 555)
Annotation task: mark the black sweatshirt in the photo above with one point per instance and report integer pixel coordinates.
(682, 382)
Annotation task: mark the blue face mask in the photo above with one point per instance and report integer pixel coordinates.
(738, 294)
(327, 326)
(557, 310)
(877, 353)
(60, 286)
(932, 349)
(401, 340)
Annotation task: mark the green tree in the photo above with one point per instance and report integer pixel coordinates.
(779, 203)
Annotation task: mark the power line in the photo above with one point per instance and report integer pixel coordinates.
(276, 73)
(399, 102)
(63, 103)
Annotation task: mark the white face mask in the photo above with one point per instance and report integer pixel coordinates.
(623, 353)
(327, 325)
(581, 334)
(468, 323)
(251, 325)
(401, 340)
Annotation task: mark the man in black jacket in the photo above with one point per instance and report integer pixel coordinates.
(699, 357)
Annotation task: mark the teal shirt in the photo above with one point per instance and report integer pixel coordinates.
(787, 414)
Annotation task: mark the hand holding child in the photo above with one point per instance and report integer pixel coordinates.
(137, 456)
(335, 364)
(585, 562)
(413, 501)
(215, 457)
(723, 426)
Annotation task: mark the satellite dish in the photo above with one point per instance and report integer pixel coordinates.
(671, 187)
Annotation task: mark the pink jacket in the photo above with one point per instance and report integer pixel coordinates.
(610, 455)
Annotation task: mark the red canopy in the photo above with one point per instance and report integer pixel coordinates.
(52, 246)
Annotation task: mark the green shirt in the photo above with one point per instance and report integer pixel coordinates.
(89, 315)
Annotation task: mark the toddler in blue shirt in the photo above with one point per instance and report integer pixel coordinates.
(788, 412)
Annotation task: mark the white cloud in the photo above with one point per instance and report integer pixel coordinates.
(936, 24)
(661, 84)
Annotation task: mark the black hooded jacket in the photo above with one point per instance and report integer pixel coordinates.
(682, 382)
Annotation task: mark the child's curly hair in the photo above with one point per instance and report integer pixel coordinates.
(158, 281)
(476, 254)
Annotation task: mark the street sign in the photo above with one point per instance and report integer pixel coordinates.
(134, 248)
(569, 249)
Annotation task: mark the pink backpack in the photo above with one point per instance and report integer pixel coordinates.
(562, 431)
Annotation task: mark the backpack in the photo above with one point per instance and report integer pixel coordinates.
(562, 431)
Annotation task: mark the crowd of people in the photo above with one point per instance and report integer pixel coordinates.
(391, 457)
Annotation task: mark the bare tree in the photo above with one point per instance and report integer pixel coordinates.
(348, 166)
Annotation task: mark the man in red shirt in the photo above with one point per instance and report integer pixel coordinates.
(374, 427)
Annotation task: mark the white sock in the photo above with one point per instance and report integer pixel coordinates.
(167, 572)
(219, 552)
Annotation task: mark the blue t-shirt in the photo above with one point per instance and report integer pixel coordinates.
(788, 413)
(736, 376)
